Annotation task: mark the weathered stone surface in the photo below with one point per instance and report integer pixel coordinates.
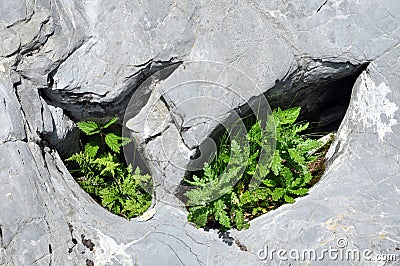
(64, 135)
(10, 116)
(63, 60)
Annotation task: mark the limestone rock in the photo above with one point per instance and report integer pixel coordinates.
(62, 61)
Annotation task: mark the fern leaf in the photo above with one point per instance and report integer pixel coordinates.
(239, 219)
(91, 149)
(208, 171)
(136, 207)
(277, 194)
(199, 215)
(296, 156)
(307, 175)
(112, 142)
(198, 196)
(197, 182)
(301, 127)
(221, 215)
(89, 127)
(110, 122)
(255, 134)
(139, 178)
(300, 191)
(108, 197)
(296, 183)
(308, 145)
(288, 116)
(269, 183)
(288, 199)
(276, 163)
(75, 157)
(286, 175)
(107, 165)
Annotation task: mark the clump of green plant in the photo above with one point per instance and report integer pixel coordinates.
(103, 174)
(284, 177)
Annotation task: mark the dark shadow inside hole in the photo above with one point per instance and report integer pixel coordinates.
(324, 101)
(81, 106)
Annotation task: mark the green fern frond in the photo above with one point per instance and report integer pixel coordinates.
(103, 176)
(89, 127)
(110, 122)
(113, 142)
(91, 149)
(283, 177)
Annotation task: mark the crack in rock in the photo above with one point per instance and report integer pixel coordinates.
(96, 105)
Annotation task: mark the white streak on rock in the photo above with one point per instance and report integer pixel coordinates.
(373, 107)
(109, 251)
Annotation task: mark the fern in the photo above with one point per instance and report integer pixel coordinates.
(91, 149)
(283, 178)
(89, 127)
(199, 215)
(104, 176)
(221, 215)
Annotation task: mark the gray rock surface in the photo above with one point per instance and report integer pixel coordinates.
(70, 60)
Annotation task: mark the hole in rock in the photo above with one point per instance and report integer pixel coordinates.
(105, 171)
(309, 105)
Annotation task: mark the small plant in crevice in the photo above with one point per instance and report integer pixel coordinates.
(103, 174)
(296, 164)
